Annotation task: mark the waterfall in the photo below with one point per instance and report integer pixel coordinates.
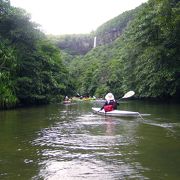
(94, 41)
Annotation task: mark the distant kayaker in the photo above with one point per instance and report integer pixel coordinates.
(110, 104)
(66, 98)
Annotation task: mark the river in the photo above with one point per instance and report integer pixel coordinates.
(70, 142)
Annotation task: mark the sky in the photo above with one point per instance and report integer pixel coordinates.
(59, 17)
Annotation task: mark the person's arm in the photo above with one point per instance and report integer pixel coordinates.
(103, 105)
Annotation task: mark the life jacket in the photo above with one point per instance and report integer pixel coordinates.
(108, 108)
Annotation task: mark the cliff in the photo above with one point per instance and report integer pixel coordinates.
(80, 44)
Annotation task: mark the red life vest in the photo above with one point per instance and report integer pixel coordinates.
(108, 108)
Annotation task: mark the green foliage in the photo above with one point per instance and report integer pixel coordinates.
(31, 70)
(145, 58)
(7, 66)
(42, 75)
(97, 72)
(151, 51)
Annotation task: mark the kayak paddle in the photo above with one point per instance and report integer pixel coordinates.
(128, 94)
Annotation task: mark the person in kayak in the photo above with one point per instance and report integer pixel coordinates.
(110, 104)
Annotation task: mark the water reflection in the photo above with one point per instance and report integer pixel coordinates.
(110, 126)
(87, 146)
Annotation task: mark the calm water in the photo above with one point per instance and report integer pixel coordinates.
(70, 142)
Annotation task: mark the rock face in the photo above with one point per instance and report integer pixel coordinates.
(79, 45)
(114, 28)
(107, 37)
(76, 44)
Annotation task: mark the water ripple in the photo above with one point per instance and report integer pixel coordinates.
(88, 147)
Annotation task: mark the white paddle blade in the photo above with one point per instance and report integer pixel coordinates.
(129, 94)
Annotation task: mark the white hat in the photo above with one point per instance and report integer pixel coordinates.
(109, 97)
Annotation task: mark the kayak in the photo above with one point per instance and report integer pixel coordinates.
(118, 113)
(67, 102)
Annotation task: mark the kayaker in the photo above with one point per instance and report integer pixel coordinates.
(66, 98)
(110, 104)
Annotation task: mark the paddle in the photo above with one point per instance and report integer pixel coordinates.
(128, 94)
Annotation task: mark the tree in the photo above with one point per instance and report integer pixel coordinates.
(31, 67)
(7, 72)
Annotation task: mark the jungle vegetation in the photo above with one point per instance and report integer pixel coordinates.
(143, 57)
(137, 50)
(31, 68)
